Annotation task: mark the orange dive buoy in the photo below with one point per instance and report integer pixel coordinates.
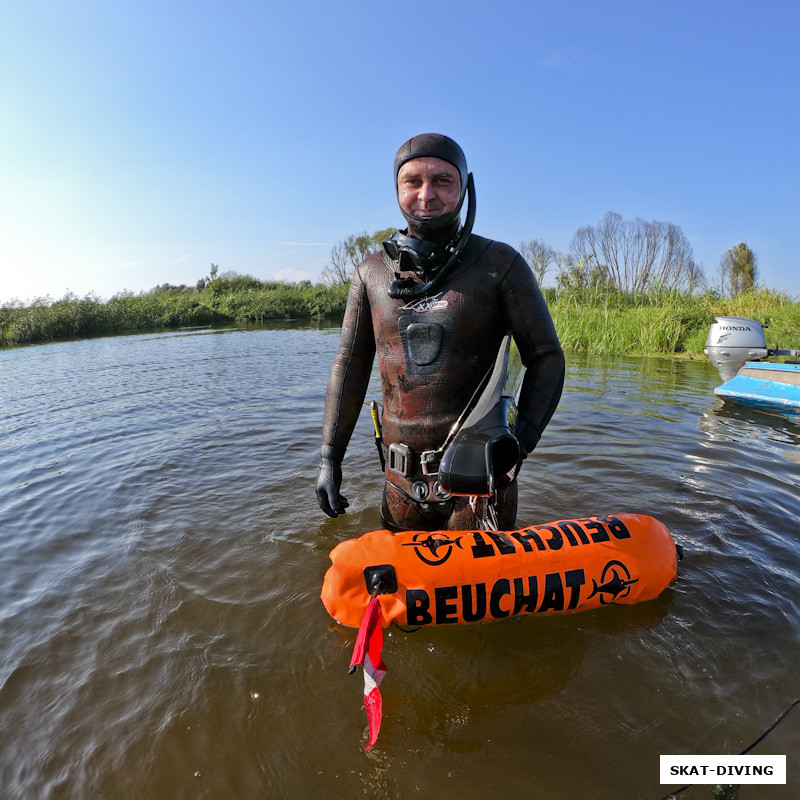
(443, 577)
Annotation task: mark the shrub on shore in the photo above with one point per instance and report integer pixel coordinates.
(221, 301)
(81, 317)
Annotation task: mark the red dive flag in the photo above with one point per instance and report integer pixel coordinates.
(367, 652)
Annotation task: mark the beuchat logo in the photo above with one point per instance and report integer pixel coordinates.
(433, 548)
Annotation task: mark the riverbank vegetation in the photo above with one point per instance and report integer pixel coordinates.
(669, 322)
(214, 301)
(595, 318)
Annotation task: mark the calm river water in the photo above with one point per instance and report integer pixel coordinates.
(161, 553)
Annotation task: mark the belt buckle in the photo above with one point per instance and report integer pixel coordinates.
(429, 460)
(400, 459)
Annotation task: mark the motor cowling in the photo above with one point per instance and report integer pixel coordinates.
(732, 341)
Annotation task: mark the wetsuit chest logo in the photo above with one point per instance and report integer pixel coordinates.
(425, 304)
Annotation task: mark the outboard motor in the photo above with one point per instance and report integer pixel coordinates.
(732, 341)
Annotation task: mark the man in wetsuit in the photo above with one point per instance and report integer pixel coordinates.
(435, 305)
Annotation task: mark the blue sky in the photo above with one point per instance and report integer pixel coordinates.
(142, 141)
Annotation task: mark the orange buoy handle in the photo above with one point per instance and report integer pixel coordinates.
(446, 577)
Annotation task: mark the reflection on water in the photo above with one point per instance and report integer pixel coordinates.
(162, 554)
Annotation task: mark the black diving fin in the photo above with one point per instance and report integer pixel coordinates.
(484, 447)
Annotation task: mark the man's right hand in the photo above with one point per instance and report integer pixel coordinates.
(330, 499)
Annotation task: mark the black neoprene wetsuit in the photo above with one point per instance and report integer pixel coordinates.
(432, 354)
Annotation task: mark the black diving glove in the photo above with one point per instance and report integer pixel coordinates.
(330, 499)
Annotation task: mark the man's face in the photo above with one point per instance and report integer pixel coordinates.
(428, 187)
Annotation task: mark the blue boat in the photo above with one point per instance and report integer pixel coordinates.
(771, 386)
(736, 347)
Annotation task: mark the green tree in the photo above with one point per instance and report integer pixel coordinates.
(583, 274)
(738, 269)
